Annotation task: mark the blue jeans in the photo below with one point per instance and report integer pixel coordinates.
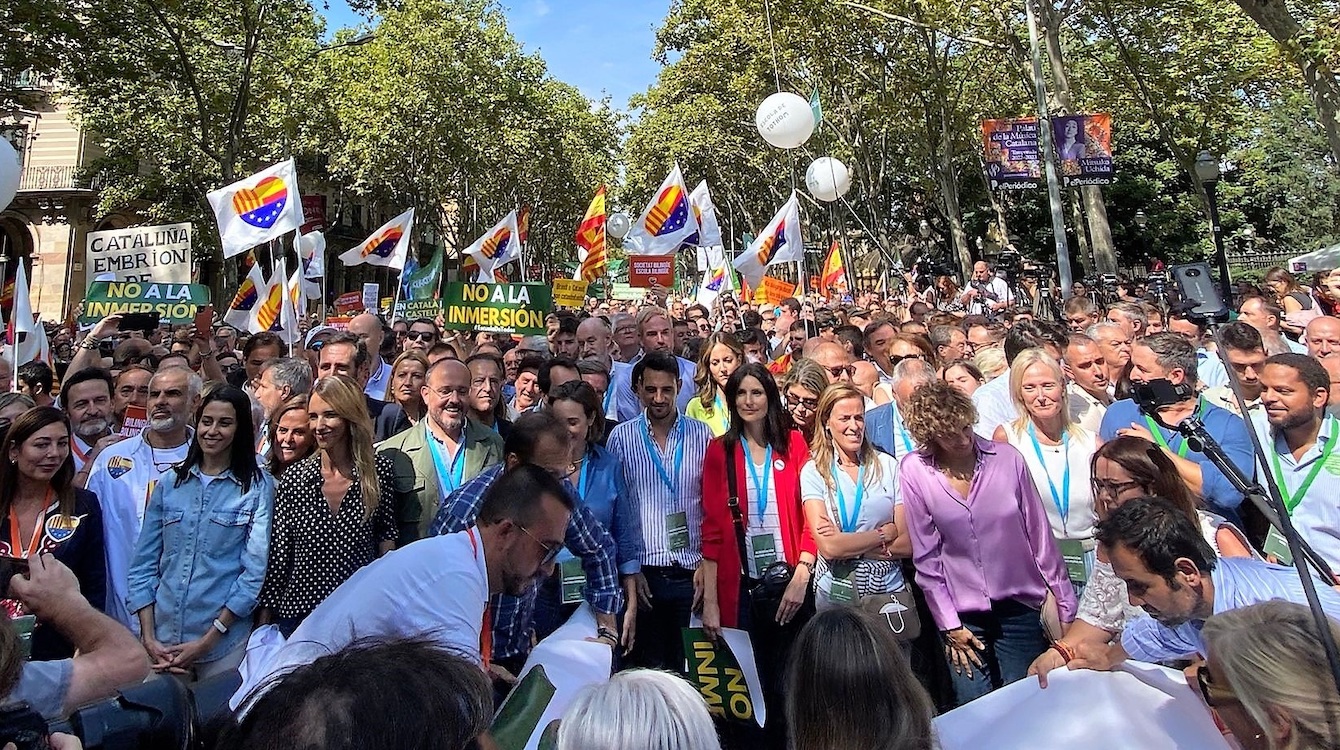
(1013, 635)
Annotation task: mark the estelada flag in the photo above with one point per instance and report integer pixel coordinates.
(591, 239)
(779, 242)
(500, 245)
(667, 222)
(257, 209)
(834, 276)
(387, 246)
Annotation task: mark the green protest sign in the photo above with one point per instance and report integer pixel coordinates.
(499, 308)
(716, 672)
(418, 308)
(175, 303)
(422, 283)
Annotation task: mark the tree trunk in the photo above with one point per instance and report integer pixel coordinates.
(1274, 18)
(1081, 237)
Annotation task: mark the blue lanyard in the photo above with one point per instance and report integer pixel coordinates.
(584, 475)
(759, 487)
(1062, 499)
(655, 454)
(451, 478)
(609, 393)
(901, 430)
(849, 521)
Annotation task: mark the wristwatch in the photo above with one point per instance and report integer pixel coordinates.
(219, 626)
(90, 343)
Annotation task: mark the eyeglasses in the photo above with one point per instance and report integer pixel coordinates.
(810, 404)
(420, 335)
(895, 359)
(550, 550)
(1213, 694)
(840, 370)
(1103, 487)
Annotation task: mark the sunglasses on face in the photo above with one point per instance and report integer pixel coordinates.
(550, 550)
(420, 335)
(810, 404)
(1213, 694)
(841, 370)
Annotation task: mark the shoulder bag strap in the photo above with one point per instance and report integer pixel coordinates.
(733, 502)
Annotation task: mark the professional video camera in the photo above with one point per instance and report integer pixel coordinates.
(933, 266)
(1011, 264)
(1193, 292)
(161, 714)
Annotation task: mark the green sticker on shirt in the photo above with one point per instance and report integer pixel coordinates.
(677, 531)
(1332, 464)
(573, 580)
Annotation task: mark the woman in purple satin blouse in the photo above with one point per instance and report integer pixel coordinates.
(982, 545)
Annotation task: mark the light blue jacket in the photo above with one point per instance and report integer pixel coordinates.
(203, 546)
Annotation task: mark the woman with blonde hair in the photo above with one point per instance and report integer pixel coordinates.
(1268, 678)
(983, 548)
(849, 491)
(1057, 454)
(640, 709)
(334, 510)
(801, 389)
(721, 354)
(404, 396)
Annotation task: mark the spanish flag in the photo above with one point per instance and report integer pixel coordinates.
(781, 365)
(833, 280)
(591, 238)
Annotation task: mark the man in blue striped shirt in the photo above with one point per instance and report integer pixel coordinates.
(662, 455)
(538, 438)
(1172, 573)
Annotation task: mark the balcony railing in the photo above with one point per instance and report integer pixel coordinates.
(52, 178)
(26, 81)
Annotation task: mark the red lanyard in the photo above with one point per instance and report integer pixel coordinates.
(486, 630)
(16, 534)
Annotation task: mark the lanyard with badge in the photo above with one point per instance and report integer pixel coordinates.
(1275, 544)
(1072, 550)
(763, 545)
(451, 477)
(842, 590)
(1157, 431)
(901, 429)
(676, 523)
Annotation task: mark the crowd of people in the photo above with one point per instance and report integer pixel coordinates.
(907, 501)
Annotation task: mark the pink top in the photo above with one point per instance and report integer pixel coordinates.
(996, 545)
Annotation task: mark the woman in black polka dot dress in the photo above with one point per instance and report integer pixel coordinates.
(333, 510)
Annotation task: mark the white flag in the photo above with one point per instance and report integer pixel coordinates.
(667, 222)
(312, 250)
(258, 209)
(779, 242)
(709, 230)
(388, 246)
(499, 245)
(294, 306)
(34, 345)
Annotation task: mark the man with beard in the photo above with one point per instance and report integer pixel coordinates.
(86, 397)
(1173, 574)
(655, 333)
(440, 588)
(441, 453)
(1245, 350)
(123, 475)
(1301, 440)
(597, 343)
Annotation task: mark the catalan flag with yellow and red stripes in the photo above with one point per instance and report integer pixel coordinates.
(591, 238)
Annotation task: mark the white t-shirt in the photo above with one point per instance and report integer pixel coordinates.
(769, 523)
(877, 504)
(1050, 473)
(122, 477)
(436, 588)
(994, 405)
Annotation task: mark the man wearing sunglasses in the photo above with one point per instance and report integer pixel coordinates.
(448, 589)
(538, 439)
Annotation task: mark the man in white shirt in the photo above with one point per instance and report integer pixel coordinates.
(86, 398)
(1302, 442)
(656, 334)
(1087, 390)
(995, 406)
(368, 328)
(438, 588)
(124, 475)
(987, 294)
(1246, 353)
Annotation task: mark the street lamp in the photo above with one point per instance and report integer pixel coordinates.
(1141, 220)
(1207, 171)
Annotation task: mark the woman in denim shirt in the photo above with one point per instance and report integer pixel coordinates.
(598, 479)
(202, 551)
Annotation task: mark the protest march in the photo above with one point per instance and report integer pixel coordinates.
(767, 448)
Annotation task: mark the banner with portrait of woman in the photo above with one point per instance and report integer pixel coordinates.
(1084, 148)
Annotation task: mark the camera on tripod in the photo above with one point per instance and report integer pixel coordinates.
(934, 266)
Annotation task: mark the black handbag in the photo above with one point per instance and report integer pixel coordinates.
(766, 595)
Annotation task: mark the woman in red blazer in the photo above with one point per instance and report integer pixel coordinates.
(768, 487)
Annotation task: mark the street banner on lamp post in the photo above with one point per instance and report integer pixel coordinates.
(1011, 153)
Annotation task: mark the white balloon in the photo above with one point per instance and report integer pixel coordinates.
(827, 179)
(617, 225)
(785, 120)
(9, 173)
